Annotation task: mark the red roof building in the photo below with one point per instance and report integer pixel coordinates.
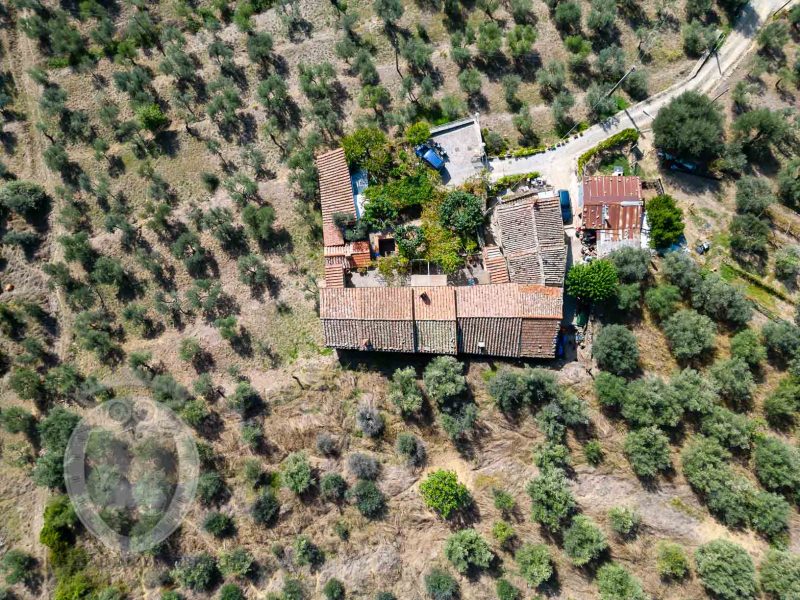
(614, 205)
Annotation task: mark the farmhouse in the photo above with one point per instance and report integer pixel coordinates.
(508, 304)
(613, 210)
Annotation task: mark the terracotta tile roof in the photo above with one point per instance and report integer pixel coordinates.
(388, 336)
(439, 337)
(613, 204)
(456, 319)
(340, 303)
(359, 253)
(336, 193)
(495, 263)
(531, 233)
(538, 338)
(490, 336)
(539, 301)
(434, 303)
(334, 276)
(386, 303)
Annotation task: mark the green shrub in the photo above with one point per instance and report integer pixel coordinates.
(236, 563)
(647, 449)
(592, 282)
(467, 550)
(534, 563)
(747, 346)
(332, 487)
(210, 488)
(503, 532)
(442, 492)
(593, 452)
(616, 350)
(197, 573)
(550, 455)
(440, 585)
(615, 583)
(552, 500)
(506, 591)
(779, 575)
(265, 509)
(734, 381)
(730, 429)
(219, 525)
(369, 500)
(296, 473)
(306, 552)
(777, 465)
(412, 448)
(726, 570)
(503, 501)
(649, 402)
(333, 589)
(444, 380)
(18, 567)
(624, 521)
(690, 335)
(632, 264)
(584, 542)
(672, 562)
(780, 407)
(231, 591)
(75, 586)
(611, 390)
(662, 300)
(404, 391)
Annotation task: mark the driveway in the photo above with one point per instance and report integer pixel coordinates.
(559, 166)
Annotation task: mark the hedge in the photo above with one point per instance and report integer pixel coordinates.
(625, 136)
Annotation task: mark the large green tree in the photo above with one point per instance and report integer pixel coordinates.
(690, 127)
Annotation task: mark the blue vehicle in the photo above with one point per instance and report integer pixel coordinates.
(430, 156)
(566, 205)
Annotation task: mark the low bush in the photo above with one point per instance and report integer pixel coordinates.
(726, 570)
(690, 335)
(467, 550)
(412, 448)
(779, 575)
(404, 391)
(333, 589)
(219, 525)
(306, 552)
(648, 451)
(615, 583)
(363, 466)
(672, 562)
(442, 492)
(624, 521)
(616, 350)
(332, 487)
(296, 473)
(551, 499)
(440, 585)
(369, 500)
(197, 573)
(584, 542)
(534, 563)
(265, 509)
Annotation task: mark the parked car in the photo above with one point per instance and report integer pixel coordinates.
(566, 205)
(430, 155)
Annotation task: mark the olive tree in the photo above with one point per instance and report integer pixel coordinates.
(616, 350)
(690, 335)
